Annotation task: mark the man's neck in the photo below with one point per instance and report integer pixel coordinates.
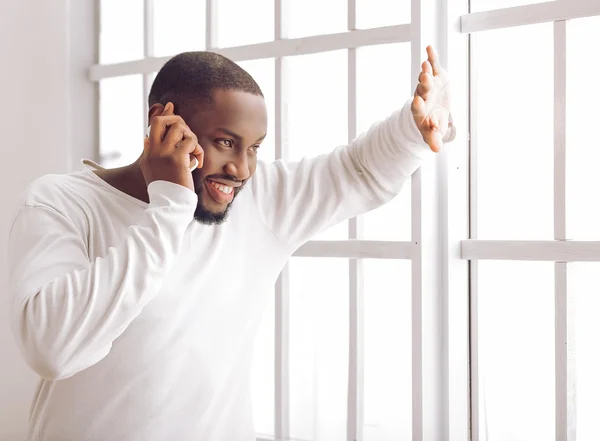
(128, 179)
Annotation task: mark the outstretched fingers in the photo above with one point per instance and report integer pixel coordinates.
(434, 60)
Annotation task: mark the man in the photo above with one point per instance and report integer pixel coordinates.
(136, 292)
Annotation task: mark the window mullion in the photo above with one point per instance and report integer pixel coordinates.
(148, 53)
(356, 274)
(565, 389)
(282, 288)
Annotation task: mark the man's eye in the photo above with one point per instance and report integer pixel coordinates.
(254, 148)
(225, 142)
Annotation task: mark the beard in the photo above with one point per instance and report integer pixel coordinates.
(207, 217)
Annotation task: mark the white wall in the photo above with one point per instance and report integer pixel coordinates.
(47, 120)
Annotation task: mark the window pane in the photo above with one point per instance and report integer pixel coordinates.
(376, 99)
(179, 26)
(318, 348)
(516, 350)
(121, 120)
(263, 375)
(388, 350)
(488, 5)
(583, 152)
(316, 17)
(121, 30)
(584, 281)
(263, 72)
(515, 132)
(318, 111)
(244, 22)
(375, 13)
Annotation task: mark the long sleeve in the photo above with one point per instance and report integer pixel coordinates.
(298, 200)
(65, 310)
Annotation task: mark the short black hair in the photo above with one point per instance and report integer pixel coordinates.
(192, 77)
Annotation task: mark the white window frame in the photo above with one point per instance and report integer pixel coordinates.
(560, 250)
(440, 302)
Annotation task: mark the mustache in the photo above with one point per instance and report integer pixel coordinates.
(225, 177)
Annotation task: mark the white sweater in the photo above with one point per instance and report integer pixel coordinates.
(140, 321)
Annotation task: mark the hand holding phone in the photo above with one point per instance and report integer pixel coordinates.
(171, 150)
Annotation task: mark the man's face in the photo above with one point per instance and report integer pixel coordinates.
(230, 132)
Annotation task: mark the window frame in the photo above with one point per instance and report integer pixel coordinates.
(561, 250)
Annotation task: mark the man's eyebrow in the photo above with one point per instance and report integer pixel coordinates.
(235, 135)
(229, 133)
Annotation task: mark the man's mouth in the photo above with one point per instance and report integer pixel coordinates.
(221, 187)
(219, 192)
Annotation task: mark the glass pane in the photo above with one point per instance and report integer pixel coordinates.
(583, 152)
(375, 101)
(515, 132)
(121, 30)
(179, 26)
(244, 22)
(316, 17)
(263, 374)
(263, 72)
(121, 120)
(488, 5)
(516, 350)
(388, 350)
(375, 13)
(584, 284)
(318, 111)
(318, 348)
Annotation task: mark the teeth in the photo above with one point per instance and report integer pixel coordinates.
(222, 188)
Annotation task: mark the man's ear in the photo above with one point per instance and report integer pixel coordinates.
(156, 109)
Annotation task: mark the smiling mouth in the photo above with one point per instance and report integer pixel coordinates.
(220, 193)
(222, 188)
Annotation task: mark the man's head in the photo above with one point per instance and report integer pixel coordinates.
(225, 108)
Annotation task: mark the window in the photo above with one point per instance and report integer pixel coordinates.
(582, 153)
(121, 119)
(385, 346)
(515, 136)
(326, 322)
(373, 350)
(318, 349)
(121, 31)
(533, 247)
(318, 92)
(515, 322)
(388, 350)
(374, 101)
(583, 284)
(178, 26)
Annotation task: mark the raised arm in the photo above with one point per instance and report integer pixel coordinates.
(298, 200)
